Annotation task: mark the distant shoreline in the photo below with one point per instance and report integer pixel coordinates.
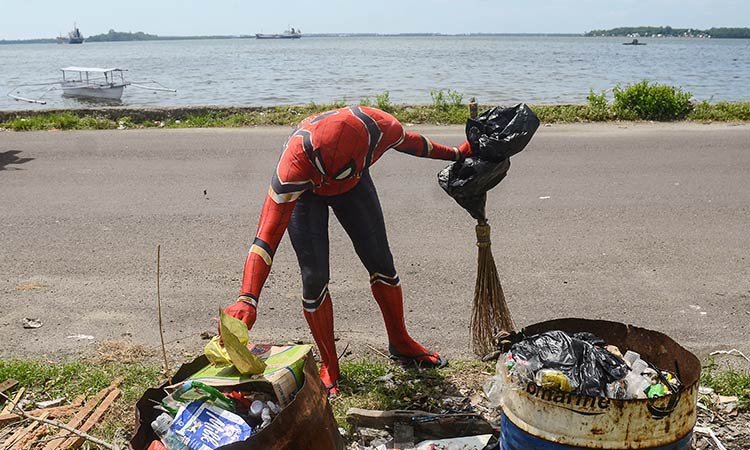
(348, 35)
(641, 31)
(307, 35)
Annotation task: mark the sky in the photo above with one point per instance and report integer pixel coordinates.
(29, 19)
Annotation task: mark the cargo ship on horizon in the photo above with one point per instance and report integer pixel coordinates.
(287, 34)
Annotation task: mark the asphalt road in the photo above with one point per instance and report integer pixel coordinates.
(646, 224)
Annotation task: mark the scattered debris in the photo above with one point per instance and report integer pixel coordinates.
(25, 432)
(7, 385)
(710, 432)
(719, 420)
(54, 412)
(81, 337)
(405, 428)
(49, 403)
(733, 352)
(705, 390)
(207, 335)
(30, 286)
(9, 405)
(31, 323)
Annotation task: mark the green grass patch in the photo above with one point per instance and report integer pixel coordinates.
(729, 382)
(364, 384)
(639, 101)
(384, 386)
(45, 380)
(368, 384)
(720, 112)
(59, 121)
(48, 380)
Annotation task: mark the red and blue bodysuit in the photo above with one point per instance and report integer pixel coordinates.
(325, 165)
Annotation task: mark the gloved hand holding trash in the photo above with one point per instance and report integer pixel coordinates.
(243, 309)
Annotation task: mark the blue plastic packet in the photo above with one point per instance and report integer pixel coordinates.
(207, 426)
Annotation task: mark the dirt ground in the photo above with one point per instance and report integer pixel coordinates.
(639, 223)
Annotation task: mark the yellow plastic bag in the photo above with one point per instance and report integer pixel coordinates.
(216, 353)
(235, 351)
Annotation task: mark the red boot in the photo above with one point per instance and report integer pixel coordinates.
(387, 292)
(320, 322)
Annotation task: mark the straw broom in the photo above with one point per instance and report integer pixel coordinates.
(490, 314)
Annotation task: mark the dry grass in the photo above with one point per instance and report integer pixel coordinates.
(123, 352)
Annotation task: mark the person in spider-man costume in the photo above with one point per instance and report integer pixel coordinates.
(325, 164)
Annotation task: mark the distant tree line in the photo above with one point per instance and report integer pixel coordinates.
(27, 41)
(118, 36)
(115, 36)
(719, 33)
(733, 33)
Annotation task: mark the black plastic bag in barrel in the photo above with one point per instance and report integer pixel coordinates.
(494, 136)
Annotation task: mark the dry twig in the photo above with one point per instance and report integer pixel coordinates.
(378, 352)
(158, 306)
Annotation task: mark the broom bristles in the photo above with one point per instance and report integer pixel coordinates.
(490, 313)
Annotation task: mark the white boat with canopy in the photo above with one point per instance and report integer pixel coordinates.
(87, 82)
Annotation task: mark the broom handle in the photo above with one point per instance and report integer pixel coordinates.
(483, 233)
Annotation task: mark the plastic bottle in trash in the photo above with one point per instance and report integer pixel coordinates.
(169, 438)
(256, 408)
(631, 357)
(637, 383)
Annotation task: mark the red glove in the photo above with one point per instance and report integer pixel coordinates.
(465, 149)
(244, 309)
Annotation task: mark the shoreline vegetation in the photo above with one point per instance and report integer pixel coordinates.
(659, 32)
(641, 31)
(639, 101)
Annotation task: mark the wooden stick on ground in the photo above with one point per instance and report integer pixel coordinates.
(78, 419)
(53, 412)
(22, 435)
(8, 384)
(11, 403)
(95, 417)
(57, 424)
(32, 438)
(158, 306)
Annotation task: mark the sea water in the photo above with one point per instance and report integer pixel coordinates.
(495, 69)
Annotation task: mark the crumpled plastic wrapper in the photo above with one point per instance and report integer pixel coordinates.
(234, 352)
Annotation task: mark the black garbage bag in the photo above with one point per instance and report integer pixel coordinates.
(494, 136)
(469, 180)
(589, 367)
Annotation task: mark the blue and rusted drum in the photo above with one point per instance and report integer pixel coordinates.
(536, 418)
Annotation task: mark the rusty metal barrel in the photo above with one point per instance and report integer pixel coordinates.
(533, 417)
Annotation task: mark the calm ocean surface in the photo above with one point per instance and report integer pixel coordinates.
(497, 70)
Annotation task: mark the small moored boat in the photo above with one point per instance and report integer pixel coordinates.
(93, 82)
(634, 42)
(87, 82)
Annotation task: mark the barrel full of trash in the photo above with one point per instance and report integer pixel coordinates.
(591, 384)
